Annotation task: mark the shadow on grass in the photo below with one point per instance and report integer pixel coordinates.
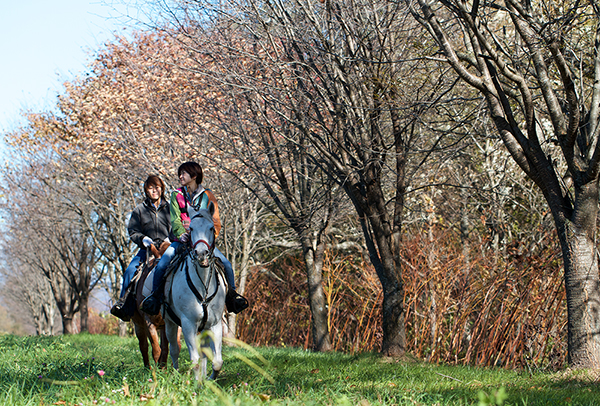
(369, 376)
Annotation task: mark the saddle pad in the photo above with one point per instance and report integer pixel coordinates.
(147, 290)
(168, 280)
(148, 283)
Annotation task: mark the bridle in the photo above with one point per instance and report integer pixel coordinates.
(204, 301)
(211, 247)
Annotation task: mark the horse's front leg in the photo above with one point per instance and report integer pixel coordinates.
(171, 330)
(216, 344)
(205, 351)
(189, 330)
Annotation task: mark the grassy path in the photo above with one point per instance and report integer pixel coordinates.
(103, 370)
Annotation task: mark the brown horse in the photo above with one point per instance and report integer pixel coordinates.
(150, 328)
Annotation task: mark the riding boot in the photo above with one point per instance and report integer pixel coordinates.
(151, 305)
(235, 302)
(118, 310)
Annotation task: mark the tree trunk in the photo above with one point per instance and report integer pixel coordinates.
(83, 312)
(229, 329)
(66, 303)
(49, 315)
(313, 257)
(393, 317)
(394, 332)
(582, 279)
(384, 230)
(68, 324)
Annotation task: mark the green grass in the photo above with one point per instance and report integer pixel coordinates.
(63, 370)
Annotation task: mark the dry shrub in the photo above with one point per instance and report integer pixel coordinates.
(102, 323)
(475, 308)
(278, 314)
(354, 297)
(487, 309)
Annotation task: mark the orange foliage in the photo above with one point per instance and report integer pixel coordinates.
(146, 105)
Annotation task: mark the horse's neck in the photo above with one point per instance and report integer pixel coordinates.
(202, 278)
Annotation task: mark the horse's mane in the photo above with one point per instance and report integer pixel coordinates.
(203, 213)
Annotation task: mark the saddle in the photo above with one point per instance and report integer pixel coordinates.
(143, 269)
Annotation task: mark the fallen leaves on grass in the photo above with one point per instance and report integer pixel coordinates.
(146, 397)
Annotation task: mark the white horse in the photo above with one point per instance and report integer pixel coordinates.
(195, 299)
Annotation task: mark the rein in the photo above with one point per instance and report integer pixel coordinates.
(203, 301)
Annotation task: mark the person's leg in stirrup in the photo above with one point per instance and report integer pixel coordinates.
(151, 304)
(235, 302)
(117, 310)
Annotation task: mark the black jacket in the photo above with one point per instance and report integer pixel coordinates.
(147, 220)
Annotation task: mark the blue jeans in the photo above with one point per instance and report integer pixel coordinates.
(163, 264)
(228, 268)
(165, 260)
(130, 271)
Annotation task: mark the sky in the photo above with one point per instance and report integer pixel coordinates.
(45, 43)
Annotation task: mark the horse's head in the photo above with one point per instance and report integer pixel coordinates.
(202, 233)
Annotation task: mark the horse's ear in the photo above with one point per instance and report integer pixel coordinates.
(211, 208)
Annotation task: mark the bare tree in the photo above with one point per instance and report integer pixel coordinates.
(293, 188)
(71, 264)
(244, 219)
(326, 86)
(59, 243)
(26, 287)
(537, 67)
